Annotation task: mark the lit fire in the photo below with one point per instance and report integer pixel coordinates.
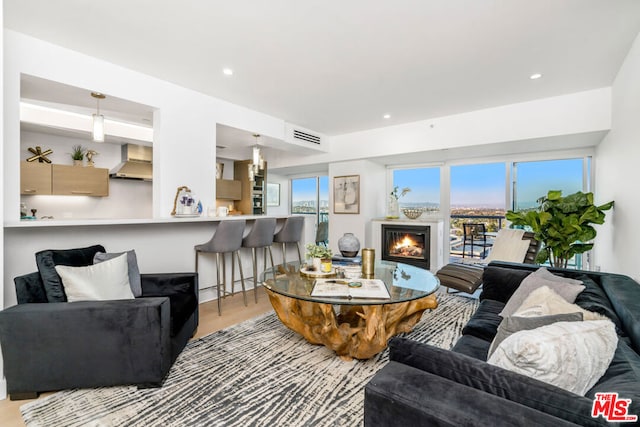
(407, 247)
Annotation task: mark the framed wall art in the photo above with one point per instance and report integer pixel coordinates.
(346, 194)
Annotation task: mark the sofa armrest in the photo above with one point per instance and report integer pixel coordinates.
(164, 284)
(479, 375)
(54, 346)
(403, 395)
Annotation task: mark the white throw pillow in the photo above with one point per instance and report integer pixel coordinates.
(567, 288)
(569, 355)
(108, 280)
(545, 301)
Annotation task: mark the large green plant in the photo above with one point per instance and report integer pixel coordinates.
(562, 224)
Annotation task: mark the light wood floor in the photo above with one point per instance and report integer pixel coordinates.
(233, 311)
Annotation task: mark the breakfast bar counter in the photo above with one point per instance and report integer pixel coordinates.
(162, 245)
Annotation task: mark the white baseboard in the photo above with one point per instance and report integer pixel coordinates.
(210, 294)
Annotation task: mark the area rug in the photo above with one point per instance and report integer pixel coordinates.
(256, 373)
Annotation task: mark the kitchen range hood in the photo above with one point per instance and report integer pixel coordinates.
(136, 163)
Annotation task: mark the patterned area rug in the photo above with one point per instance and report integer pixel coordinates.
(256, 373)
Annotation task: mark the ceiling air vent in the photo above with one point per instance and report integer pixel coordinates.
(307, 137)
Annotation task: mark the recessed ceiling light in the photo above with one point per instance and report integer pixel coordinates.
(386, 116)
(535, 76)
(228, 71)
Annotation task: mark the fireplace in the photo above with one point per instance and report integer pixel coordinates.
(409, 244)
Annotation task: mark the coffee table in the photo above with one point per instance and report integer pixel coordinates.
(361, 327)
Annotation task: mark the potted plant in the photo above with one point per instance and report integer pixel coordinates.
(562, 224)
(318, 253)
(77, 154)
(394, 207)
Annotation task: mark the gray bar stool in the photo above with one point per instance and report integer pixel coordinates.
(226, 239)
(291, 232)
(260, 236)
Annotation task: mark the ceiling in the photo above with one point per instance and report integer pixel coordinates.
(338, 66)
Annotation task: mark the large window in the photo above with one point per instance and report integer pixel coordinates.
(478, 195)
(532, 180)
(424, 184)
(304, 196)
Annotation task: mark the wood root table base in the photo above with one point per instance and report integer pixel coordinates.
(358, 331)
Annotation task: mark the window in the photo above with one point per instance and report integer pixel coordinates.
(304, 196)
(424, 184)
(532, 180)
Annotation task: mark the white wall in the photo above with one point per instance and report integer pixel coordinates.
(616, 167)
(127, 198)
(184, 120)
(372, 201)
(285, 200)
(573, 114)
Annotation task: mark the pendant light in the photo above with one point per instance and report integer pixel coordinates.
(97, 132)
(257, 161)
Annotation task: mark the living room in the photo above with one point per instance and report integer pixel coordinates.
(590, 111)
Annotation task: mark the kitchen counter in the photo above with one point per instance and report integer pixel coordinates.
(108, 221)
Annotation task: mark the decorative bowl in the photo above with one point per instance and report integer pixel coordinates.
(412, 213)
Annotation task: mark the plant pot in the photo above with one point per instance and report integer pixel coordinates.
(77, 163)
(316, 263)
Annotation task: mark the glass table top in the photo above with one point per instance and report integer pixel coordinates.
(404, 283)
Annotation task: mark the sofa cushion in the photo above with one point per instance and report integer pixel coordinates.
(492, 379)
(132, 262)
(544, 301)
(48, 259)
(566, 288)
(29, 288)
(593, 298)
(472, 346)
(499, 283)
(512, 324)
(569, 355)
(108, 280)
(484, 322)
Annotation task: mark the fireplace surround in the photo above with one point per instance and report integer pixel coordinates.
(408, 244)
(434, 246)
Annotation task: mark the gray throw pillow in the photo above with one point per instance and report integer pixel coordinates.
(134, 272)
(566, 288)
(512, 324)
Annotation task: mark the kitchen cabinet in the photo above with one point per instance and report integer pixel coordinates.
(80, 181)
(228, 189)
(254, 193)
(35, 178)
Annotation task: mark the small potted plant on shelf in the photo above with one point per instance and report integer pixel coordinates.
(77, 154)
(318, 255)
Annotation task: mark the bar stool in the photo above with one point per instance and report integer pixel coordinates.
(227, 238)
(291, 232)
(260, 236)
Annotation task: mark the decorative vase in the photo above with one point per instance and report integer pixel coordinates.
(349, 245)
(316, 263)
(393, 210)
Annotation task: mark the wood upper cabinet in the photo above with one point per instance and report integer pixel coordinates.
(228, 189)
(80, 181)
(35, 178)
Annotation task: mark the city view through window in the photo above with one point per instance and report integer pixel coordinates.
(310, 196)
